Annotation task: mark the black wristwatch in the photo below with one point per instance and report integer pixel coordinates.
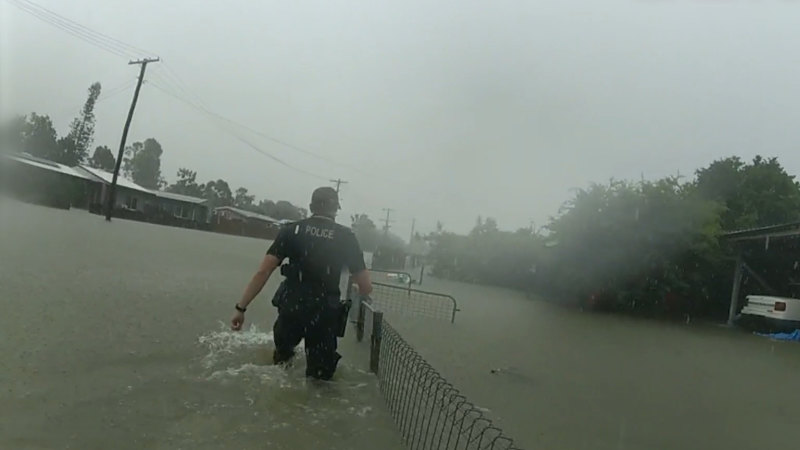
(239, 308)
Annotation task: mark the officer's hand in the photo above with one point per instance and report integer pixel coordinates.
(237, 321)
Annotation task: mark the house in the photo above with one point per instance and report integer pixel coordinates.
(230, 220)
(45, 182)
(38, 180)
(183, 207)
(129, 197)
(132, 201)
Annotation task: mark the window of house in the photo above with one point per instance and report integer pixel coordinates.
(132, 202)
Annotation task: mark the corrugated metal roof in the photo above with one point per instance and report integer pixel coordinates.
(251, 215)
(99, 175)
(780, 230)
(42, 163)
(106, 177)
(179, 197)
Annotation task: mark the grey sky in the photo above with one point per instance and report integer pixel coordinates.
(458, 108)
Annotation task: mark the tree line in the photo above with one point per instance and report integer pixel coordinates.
(219, 193)
(35, 134)
(370, 237)
(647, 247)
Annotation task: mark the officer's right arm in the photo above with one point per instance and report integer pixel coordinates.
(277, 252)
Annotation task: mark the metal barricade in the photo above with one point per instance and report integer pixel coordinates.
(429, 411)
(392, 277)
(407, 301)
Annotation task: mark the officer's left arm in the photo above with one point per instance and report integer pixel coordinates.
(355, 262)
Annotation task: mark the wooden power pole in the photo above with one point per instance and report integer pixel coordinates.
(338, 182)
(387, 221)
(112, 191)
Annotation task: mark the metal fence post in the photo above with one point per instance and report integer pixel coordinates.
(375, 342)
(360, 322)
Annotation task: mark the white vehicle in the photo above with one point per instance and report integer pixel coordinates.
(772, 313)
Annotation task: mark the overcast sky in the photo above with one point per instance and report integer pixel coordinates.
(441, 110)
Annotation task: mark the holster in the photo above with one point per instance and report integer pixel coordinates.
(342, 315)
(280, 297)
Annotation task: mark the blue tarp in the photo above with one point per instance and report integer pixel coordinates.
(793, 336)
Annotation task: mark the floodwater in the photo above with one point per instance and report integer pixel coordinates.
(114, 335)
(557, 378)
(111, 336)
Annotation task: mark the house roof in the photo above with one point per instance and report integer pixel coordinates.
(97, 175)
(42, 163)
(179, 197)
(772, 231)
(251, 215)
(106, 177)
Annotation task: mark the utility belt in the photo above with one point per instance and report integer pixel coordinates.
(289, 297)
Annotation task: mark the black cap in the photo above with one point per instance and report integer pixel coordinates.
(325, 198)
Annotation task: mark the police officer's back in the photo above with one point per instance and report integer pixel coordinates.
(318, 249)
(308, 300)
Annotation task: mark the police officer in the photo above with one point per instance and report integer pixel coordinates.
(308, 300)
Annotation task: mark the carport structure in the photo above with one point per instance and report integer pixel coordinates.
(770, 257)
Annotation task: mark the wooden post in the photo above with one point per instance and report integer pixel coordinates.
(375, 342)
(737, 284)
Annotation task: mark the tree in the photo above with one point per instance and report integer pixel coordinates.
(218, 193)
(243, 200)
(287, 211)
(142, 163)
(266, 207)
(187, 184)
(127, 160)
(757, 194)
(103, 159)
(39, 137)
(12, 134)
(74, 147)
(366, 231)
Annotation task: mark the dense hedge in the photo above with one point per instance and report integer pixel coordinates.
(649, 247)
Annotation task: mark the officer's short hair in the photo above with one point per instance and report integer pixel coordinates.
(324, 200)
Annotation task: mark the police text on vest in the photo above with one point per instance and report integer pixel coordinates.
(319, 232)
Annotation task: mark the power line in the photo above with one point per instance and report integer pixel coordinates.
(172, 85)
(96, 38)
(233, 133)
(99, 43)
(105, 95)
(179, 85)
(123, 49)
(171, 79)
(87, 29)
(182, 84)
(170, 76)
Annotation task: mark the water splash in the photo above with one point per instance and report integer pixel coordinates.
(225, 345)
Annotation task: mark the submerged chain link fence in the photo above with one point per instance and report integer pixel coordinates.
(407, 301)
(429, 411)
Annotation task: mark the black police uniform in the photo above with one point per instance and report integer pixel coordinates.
(308, 300)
